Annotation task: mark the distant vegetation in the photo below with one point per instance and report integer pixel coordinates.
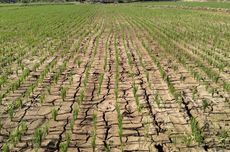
(103, 1)
(180, 3)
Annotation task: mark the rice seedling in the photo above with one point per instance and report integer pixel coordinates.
(42, 98)
(100, 80)
(72, 121)
(39, 135)
(5, 148)
(196, 132)
(64, 147)
(76, 109)
(54, 114)
(120, 122)
(10, 110)
(79, 63)
(63, 93)
(18, 103)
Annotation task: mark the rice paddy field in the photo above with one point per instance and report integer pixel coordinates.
(115, 77)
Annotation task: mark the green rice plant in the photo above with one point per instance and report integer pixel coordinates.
(18, 103)
(94, 132)
(205, 104)
(116, 92)
(49, 89)
(72, 121)
(79, 63)
(5, 148)
(23, 127)
(56, 77)
(120, 121)
(39, 134)
(76, 111)
(137, 100)
(194, 93)
(71, 80)
(17, 71)
(100, 80)
(37, 140)
(2, 81)
(16, 134)
(196, 132)
(63, 93)
(157, 98)
(82, 96)
(45, 129)
(129, 59)
(54, 114)
(135, 88)
(10, 110)
(226, 86)
(42, 98)
(146, 128)
(63, 147)
(68, 137)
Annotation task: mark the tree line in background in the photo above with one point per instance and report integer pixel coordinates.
(103, 1)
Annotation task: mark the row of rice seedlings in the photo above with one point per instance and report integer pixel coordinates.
(134, 86)
(117, 106)
(76, 106)
(196, 132)
(146, 123)
(39, 134)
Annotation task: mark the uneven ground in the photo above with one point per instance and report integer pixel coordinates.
(127, 77)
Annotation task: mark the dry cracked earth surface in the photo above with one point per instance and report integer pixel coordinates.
(104, 81)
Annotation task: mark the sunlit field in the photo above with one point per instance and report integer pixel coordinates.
(115, 77)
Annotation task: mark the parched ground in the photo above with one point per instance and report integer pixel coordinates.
(166, 69)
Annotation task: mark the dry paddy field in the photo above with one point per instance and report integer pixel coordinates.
(126, 77)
